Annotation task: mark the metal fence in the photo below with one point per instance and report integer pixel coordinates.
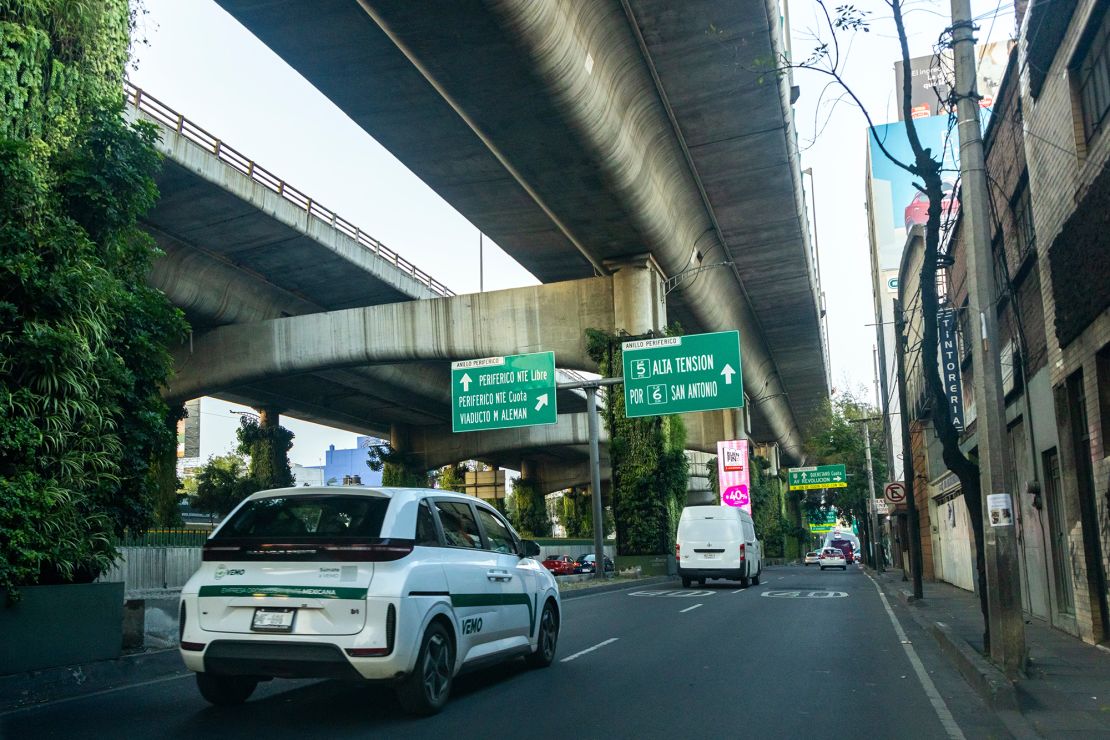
(180, 537)
(154, 568)
(170, 118)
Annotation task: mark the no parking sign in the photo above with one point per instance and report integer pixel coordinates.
(895, 493)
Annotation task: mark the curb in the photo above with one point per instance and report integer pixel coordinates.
(25, 690)
(989, 682)
(605, 588)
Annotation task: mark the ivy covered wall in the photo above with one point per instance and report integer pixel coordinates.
(648, 461)
(82, 337)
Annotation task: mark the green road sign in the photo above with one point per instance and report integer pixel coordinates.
(676, 375)
(819, 476)
(503, 392)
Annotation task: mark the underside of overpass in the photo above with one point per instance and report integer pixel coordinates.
(574, 133)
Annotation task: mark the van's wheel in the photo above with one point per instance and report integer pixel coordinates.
(755, 579)
(686, 581)
(425, 690)
(548, 637)
(225, 691)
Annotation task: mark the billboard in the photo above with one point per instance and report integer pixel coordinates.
(930, 77)
(733, 476)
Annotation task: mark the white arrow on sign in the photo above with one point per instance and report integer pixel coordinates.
(541, 402)
(728, 372)
(465, 380)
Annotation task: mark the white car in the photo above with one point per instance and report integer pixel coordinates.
(398, 585)
(832, 557)
(813, 558)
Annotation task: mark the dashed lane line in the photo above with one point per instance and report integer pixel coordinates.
(580, 653)
(945, 716)
(689, 609)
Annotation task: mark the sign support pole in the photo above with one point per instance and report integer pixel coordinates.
(591, 386)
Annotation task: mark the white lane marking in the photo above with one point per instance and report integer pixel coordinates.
(805, 594)
(945, 716)
(580, 653)
(689, 609)
(102, 692)
(683, 594)
(739, 590)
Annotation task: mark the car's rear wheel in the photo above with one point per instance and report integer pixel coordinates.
(225, 691)
(547, 640)
(425, 690)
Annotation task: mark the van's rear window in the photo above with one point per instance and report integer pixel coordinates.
(308, 516)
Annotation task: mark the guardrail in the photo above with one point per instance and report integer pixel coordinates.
(168, 117)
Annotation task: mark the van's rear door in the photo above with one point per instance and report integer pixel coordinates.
(711, 540)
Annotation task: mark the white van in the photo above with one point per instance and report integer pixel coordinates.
(717, 542)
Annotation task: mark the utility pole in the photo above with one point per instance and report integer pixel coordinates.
(1004, 610)
(876, 537)
(907, 452)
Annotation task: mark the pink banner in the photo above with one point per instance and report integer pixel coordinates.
(732, 473)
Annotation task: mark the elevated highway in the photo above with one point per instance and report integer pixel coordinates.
(580, 134)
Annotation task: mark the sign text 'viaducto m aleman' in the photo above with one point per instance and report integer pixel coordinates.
(677, 375)
(503, 392)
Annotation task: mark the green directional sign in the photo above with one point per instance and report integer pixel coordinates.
(503, 392)
(817, 476)
(677, 375)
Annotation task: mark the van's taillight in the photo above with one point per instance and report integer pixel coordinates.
(743, 554)
(677, 551)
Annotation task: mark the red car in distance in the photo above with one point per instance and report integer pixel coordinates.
(559, 565)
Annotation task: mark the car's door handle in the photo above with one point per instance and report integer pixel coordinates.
(499, 575)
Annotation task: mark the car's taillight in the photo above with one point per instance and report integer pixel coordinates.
(743, 554)
(377, 553)
(219, 552)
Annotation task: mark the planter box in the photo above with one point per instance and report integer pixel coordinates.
(54, 626)
(650, 565)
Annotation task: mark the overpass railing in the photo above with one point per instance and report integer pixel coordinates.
(168, 117)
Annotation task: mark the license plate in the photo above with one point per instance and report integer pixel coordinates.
(270, 619)
(711, 556)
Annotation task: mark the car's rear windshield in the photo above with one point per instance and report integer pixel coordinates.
(308, 516)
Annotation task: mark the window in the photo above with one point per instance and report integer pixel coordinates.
(426, 534)
(1102, 366)
(460, 529)
(497, 532)
(1092, 78)
(1022, 209)
(312, 516)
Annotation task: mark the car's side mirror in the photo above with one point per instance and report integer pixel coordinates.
(531, 549)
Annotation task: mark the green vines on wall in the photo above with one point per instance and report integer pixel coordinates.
(399, 469)
(528, 509)
(648, 462)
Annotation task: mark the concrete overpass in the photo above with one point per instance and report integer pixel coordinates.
(577, 134)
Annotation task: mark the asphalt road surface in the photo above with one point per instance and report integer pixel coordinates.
(806, 654)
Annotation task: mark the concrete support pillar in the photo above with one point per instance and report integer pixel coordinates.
(528, 470)
(400, 438)
(639, 304)
(268, 417)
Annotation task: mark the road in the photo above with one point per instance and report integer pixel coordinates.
(807, 654)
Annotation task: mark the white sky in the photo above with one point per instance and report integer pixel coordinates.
(202, 63)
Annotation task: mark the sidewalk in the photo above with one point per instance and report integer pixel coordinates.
(1066, 691)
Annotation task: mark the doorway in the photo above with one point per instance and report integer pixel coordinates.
(1058, 534)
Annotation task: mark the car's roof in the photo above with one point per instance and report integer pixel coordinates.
(378, 491)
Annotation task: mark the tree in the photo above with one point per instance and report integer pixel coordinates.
(648, 462)
(926, 165)
(222, 483)
(83, 339)
(267, 447)
(835, 436)
(401, 469)
(453, 477)
(528, 509)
